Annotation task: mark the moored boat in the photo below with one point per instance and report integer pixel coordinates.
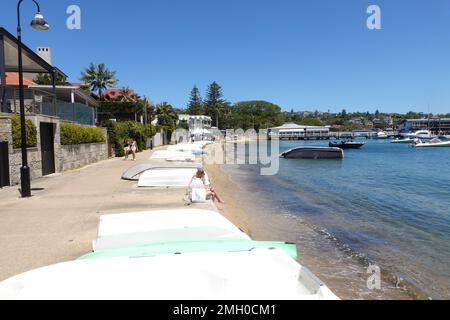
(347, 145)
(313, 153)
(435, 143)
(404, 141)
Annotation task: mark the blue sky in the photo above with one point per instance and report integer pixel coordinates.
(302, 55)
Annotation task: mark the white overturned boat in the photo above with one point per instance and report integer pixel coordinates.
(313, 153)
(259, 274)
(134, 173)
(173, 255)
(136, 229)
(171, 155)
(435, 143)
(167, 177)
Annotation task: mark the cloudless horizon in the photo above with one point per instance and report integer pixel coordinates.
(301, 55)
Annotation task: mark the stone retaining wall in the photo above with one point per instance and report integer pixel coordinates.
(66, 157)
(34, 162)
(77, 156)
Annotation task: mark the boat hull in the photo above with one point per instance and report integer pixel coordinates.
(259, 274)
(313, 153)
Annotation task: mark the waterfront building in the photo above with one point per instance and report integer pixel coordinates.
(436, 125)
(292, 131)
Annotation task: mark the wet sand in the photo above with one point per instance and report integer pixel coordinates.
(345, 275)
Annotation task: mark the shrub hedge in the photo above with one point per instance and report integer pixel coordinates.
(120, 131)
(74, 134)
(17, 137)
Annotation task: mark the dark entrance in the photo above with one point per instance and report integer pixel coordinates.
(4, 165)
(47, 148)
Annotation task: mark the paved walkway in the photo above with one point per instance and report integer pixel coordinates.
(60, 221)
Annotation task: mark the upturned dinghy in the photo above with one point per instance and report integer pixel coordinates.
(134, 173)
(135, 229)
(259, 274)
(171, 155)
(167, 178)
(313, 153)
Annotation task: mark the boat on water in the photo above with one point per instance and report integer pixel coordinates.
(138, 256)
(435, 143)
(381, 135)
(421, 134)
(404, 141)
(347, 145)
(167, 177)
(313, 153)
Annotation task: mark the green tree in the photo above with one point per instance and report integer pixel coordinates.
(166, 115)
(195, 106)
(215, 106)
(45, 79)
(256, 114)
(98, 78)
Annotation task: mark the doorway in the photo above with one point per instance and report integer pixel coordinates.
(4, 165)
(48, 148)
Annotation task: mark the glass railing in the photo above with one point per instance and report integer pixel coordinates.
(73, 112)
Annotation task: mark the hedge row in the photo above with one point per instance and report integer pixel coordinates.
(16, 133)
(74, 134)
(129, 130)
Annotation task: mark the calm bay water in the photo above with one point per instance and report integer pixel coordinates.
(385, 204)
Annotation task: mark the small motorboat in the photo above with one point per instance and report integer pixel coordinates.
(404, 141)
(435, 143)
(347, 145)
(381, 135)
(313, 153)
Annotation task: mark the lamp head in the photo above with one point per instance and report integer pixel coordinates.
(39, 23)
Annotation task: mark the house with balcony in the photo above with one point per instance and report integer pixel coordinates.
(47, 107)
(68, 103)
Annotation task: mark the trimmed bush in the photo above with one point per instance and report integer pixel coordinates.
(74, 134)
(17, 137)
(120, 131)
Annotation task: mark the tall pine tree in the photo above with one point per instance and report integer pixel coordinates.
(215, 105)
(195, 106)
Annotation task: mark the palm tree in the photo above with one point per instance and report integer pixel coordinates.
(98, 78)
(127, 95)
(166, 114)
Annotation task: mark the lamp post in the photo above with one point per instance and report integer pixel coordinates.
(37, 23)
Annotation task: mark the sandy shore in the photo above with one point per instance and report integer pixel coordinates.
(226, 189)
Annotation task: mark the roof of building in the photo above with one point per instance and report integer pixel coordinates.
(32, 63)
(65, 92)
(12, 79)
(293, 126)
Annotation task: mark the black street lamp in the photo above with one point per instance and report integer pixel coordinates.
(37, 23)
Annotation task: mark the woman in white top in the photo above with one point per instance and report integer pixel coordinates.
(134, 149)
(200, 185)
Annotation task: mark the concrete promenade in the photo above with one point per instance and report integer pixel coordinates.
(60, 221)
